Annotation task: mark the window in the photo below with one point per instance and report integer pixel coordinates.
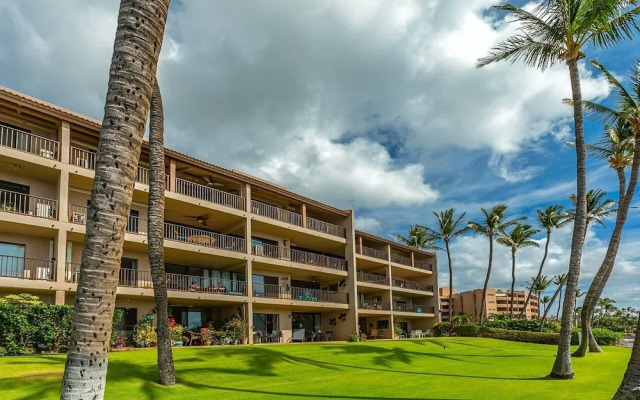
(132, 222)
(128, 322)
(265, 286)
(404, 326)
(266, 322)
(191, 318)
(383, 324)
(128, 272)
(309, 321)
(13, 197)
(12, 259)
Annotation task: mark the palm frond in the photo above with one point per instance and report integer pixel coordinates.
(617, 27)
(523, 48)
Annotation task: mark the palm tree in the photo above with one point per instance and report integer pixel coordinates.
(605, 306)
(131, 77)
(156, 236)
(597, 207)
(492, 222)
(519, 237)
(576, 314)
(545, 300)
(552, 217)
(559, 280)
(620, 146)
(559, 31)
(448, 227)
(418, 238)
(630, 385)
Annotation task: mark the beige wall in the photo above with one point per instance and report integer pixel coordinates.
(37, 187)
(35, 247)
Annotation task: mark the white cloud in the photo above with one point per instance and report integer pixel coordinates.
(368, 224)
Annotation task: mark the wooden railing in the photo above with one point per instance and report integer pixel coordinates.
(300, 294)
(399, 283)
(369, 252)
(413, 308)
(82, 158)
(269, 211)
(207, 193)
(326, 227)
(374, 305)
(28, 205)
(398, 259)
(78, 215)
(423, 265)
(26, 268)
(303, 257)
(203, 238)
(372, 278)
(28, 142)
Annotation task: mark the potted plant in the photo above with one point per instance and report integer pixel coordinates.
(119, 343)
(176, 334)
(207, 336)
(238, 330)
(144, 332)
(398, 332)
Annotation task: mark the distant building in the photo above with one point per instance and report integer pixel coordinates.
(497, 302)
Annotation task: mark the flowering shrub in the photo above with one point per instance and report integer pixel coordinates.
(175, 332)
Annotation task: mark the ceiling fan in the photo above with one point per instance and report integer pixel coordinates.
(200, 218)
(211, 182)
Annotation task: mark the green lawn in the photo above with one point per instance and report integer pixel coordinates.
(468, 368)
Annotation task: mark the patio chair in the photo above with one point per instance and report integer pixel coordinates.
(328, 336)
(381, 333)
(276, 336)
(427, 332)
(298, 335)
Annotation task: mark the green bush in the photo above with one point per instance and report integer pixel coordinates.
(353, 337)
(467, 330)
(519, 336)
(604, 337)
(442, 329)
(529, 325)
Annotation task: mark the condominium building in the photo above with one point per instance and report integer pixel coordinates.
(498, 302)
(234, 243)
(445, 307)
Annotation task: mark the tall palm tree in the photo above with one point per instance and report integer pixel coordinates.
(559, 31)
(131, 77)
(418, 238)
(559, 280)
(155, 235)
(545, 300)
(630, 385)
(598, 207)
(519, 237)
(604, 308)
(576, 315)
(552, 217)
(448, 227)
(493, 221)
(620, 146)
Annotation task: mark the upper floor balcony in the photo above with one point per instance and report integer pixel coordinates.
(86, 159)
(294, 218)
(296, 293)
(374, 305)
(403, 284)
(371, 252)
(26, 268)
(29, 143)
(372, 278)
(136, 225)
(298, 256)
(25, 204)
(413, 308)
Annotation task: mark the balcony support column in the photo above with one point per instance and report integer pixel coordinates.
(249, 315)
(303, 211)
(172, 176)
(64, 138)
(360, 244)
(61, 255)
(59, 297)
(63, 196)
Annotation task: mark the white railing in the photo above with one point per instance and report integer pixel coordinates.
(276, 213)
(299, 256)
(82, 158)
(201, 237)
(142, 175)
(28, 142)
(325, 227)
(26, 268)
(78, 215)
(369, 252)
(207, 193)
(400, 283)
(300, 294)
(28, 205)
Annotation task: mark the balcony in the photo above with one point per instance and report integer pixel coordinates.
(399, 283)
(29, 143)
(398, 259)
(372, 278)
(24, 204)
(374, 305)
(136, 225)
(369, 252)
(26, 268)
(175, 282)
(269, 211)
(301, 294)
(87, 159)
(200, 237)
(298, 256)
(325, 227)
(423, 265)
(210, 194)
(413, 308)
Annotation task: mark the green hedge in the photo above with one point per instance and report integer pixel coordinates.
(604, 337)
(504, 334)
(529, 325)
(467, 330)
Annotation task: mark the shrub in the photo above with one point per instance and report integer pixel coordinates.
(175, 332)
(353, 337)
(519, 336)
(467, 330)
(145, 332)
(441, 329)
(529, 325)
(604, 337)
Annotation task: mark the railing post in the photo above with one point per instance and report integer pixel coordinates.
(172, 176)
(303, 211)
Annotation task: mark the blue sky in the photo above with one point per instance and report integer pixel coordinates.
(363, 104)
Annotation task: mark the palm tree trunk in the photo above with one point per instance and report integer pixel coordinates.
(446, 244)
(544, 258)
(156, 236)
(559, 303)
(547, 306)
(562, 366)
(132, 73)
(513, 280)
(604, 272)
(630, 386)
(486, 281)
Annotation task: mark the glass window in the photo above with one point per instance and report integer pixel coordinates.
(383, 324)
(266, 322)
(12, 259)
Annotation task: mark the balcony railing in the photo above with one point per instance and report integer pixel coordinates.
(28, 205)
(423, 265)
(29, 143)
(210, 194)
(398, 259)
(26, 268)
(372, 278)
(201, 237)
(326, 227)
(369, 252)
(413, 308)
(276, 213)
(78, 215)
(82, 158)
(399, 283)
(300, 294)
(299, 256)
(142, 175)
(189, 283)
(374, 305)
